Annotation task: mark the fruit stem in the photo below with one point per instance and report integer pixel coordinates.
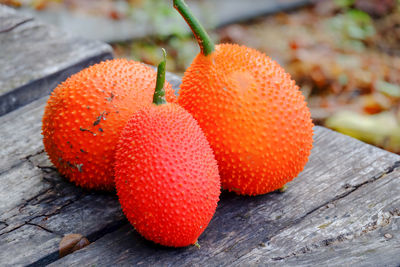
(204, 40)
(282, 189)
(159, 92)
(197, 244)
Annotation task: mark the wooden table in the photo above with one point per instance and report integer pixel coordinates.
(343, 209)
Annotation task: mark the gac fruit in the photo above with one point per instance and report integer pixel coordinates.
(252, 113)
(166, 175)
(86, 113)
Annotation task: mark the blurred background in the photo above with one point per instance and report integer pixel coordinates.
(343, 54)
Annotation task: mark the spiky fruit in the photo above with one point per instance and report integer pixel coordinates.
(252, 113)
(85, 115)
(166, 175)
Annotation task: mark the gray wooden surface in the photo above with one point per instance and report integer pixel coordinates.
(35, 57)
(336, 212)
(213, 13)
(37, 205)
(346, 200)
(343, 209)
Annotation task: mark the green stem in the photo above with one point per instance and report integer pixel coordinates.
(197, 244)
(204, 40)
(159, 92)
(282, 189)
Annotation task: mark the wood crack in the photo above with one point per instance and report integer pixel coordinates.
(53, 257)
(28, 157)
(21, 161)
(30, 200)
(38, 199)
(15, 165)
(390, 169)
(12, 27)
(42, 227)
(343, 237)
(46, 215)
(386, 218)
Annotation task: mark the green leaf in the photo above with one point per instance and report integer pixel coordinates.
(344, 3)
(359, 16)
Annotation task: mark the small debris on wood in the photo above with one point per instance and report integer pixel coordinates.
(71, 243)
(323, 226)
(388, 236)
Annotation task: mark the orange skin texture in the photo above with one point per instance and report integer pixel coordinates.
(166, 175)
(253, 115)
(86, 113)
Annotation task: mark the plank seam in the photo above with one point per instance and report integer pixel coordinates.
(43, 86)
(54, 256)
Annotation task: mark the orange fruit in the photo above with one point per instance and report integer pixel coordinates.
(86, 113)
(252, 113)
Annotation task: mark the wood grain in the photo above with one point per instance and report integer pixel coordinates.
(361, 228)
(35, 57)
(340, 184)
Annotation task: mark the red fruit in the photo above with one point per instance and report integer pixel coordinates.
(85, 115)
(166, 175)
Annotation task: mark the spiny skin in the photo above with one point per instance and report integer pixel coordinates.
(85, 114)
(253, 115)
(166, 175)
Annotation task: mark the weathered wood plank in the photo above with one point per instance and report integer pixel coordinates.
(213, 13)
(36, 194)
(35, 57)
(383, 251)
(340, 171)
(12, 250)
(38, 200)
(361, 228)
(21, 135)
